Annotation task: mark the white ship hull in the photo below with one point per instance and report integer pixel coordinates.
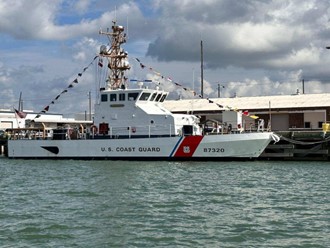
(244, 145)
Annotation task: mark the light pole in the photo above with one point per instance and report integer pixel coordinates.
(90, 105)
(219, 89)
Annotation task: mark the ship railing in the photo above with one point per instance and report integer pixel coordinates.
(147, 130)
(253, 128)
(26, 133)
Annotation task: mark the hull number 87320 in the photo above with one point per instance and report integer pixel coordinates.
(214, 150)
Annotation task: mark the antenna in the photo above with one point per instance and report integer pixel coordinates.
(20, 102)
(193, 83)
(202, 75)
(127, 28)
(116, 13)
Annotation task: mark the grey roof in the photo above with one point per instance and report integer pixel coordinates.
(246, 103)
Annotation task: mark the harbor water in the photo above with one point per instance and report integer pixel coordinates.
(68, 203)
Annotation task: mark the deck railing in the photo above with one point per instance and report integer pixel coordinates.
(112, 133)
(135, 131)
(76, 133)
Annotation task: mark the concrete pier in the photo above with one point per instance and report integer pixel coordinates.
(299, 145)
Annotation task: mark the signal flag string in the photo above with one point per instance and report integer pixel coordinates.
(246, 113)
(71, 85)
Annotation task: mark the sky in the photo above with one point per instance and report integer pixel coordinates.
(250, 48)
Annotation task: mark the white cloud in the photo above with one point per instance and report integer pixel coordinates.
(29, 19)
(253, 47)
(307, 56)
(82, 5)
(86, 49)
(272, 34)
(35, 19)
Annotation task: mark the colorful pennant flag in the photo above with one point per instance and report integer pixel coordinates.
(46, 109)
(193, 92)
(20, 114)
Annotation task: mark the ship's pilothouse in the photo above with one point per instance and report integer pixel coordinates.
(139, 113)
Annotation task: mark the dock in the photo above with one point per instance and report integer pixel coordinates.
(299, 146)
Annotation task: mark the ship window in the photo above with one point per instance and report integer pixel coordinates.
(132, 96)
(153, 96)
(104, 98)
(113, 97)
(158, 97)
(122, 97)
(144, 96)
(163, 98)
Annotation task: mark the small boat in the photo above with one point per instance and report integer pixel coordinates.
(133, 124)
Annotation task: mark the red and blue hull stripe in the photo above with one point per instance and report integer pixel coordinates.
(186, 146)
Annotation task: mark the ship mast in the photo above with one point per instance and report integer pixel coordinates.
(117, 58)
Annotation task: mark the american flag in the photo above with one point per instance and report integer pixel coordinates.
(20, 114)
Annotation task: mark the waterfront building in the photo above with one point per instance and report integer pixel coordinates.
(303, 112)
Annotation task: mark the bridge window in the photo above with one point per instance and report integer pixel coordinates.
(122, 97)
(132, 96)
(104, 98)
(153, 96)
(163, 98)
(113, 97)
(158, 97)
(144, 96)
